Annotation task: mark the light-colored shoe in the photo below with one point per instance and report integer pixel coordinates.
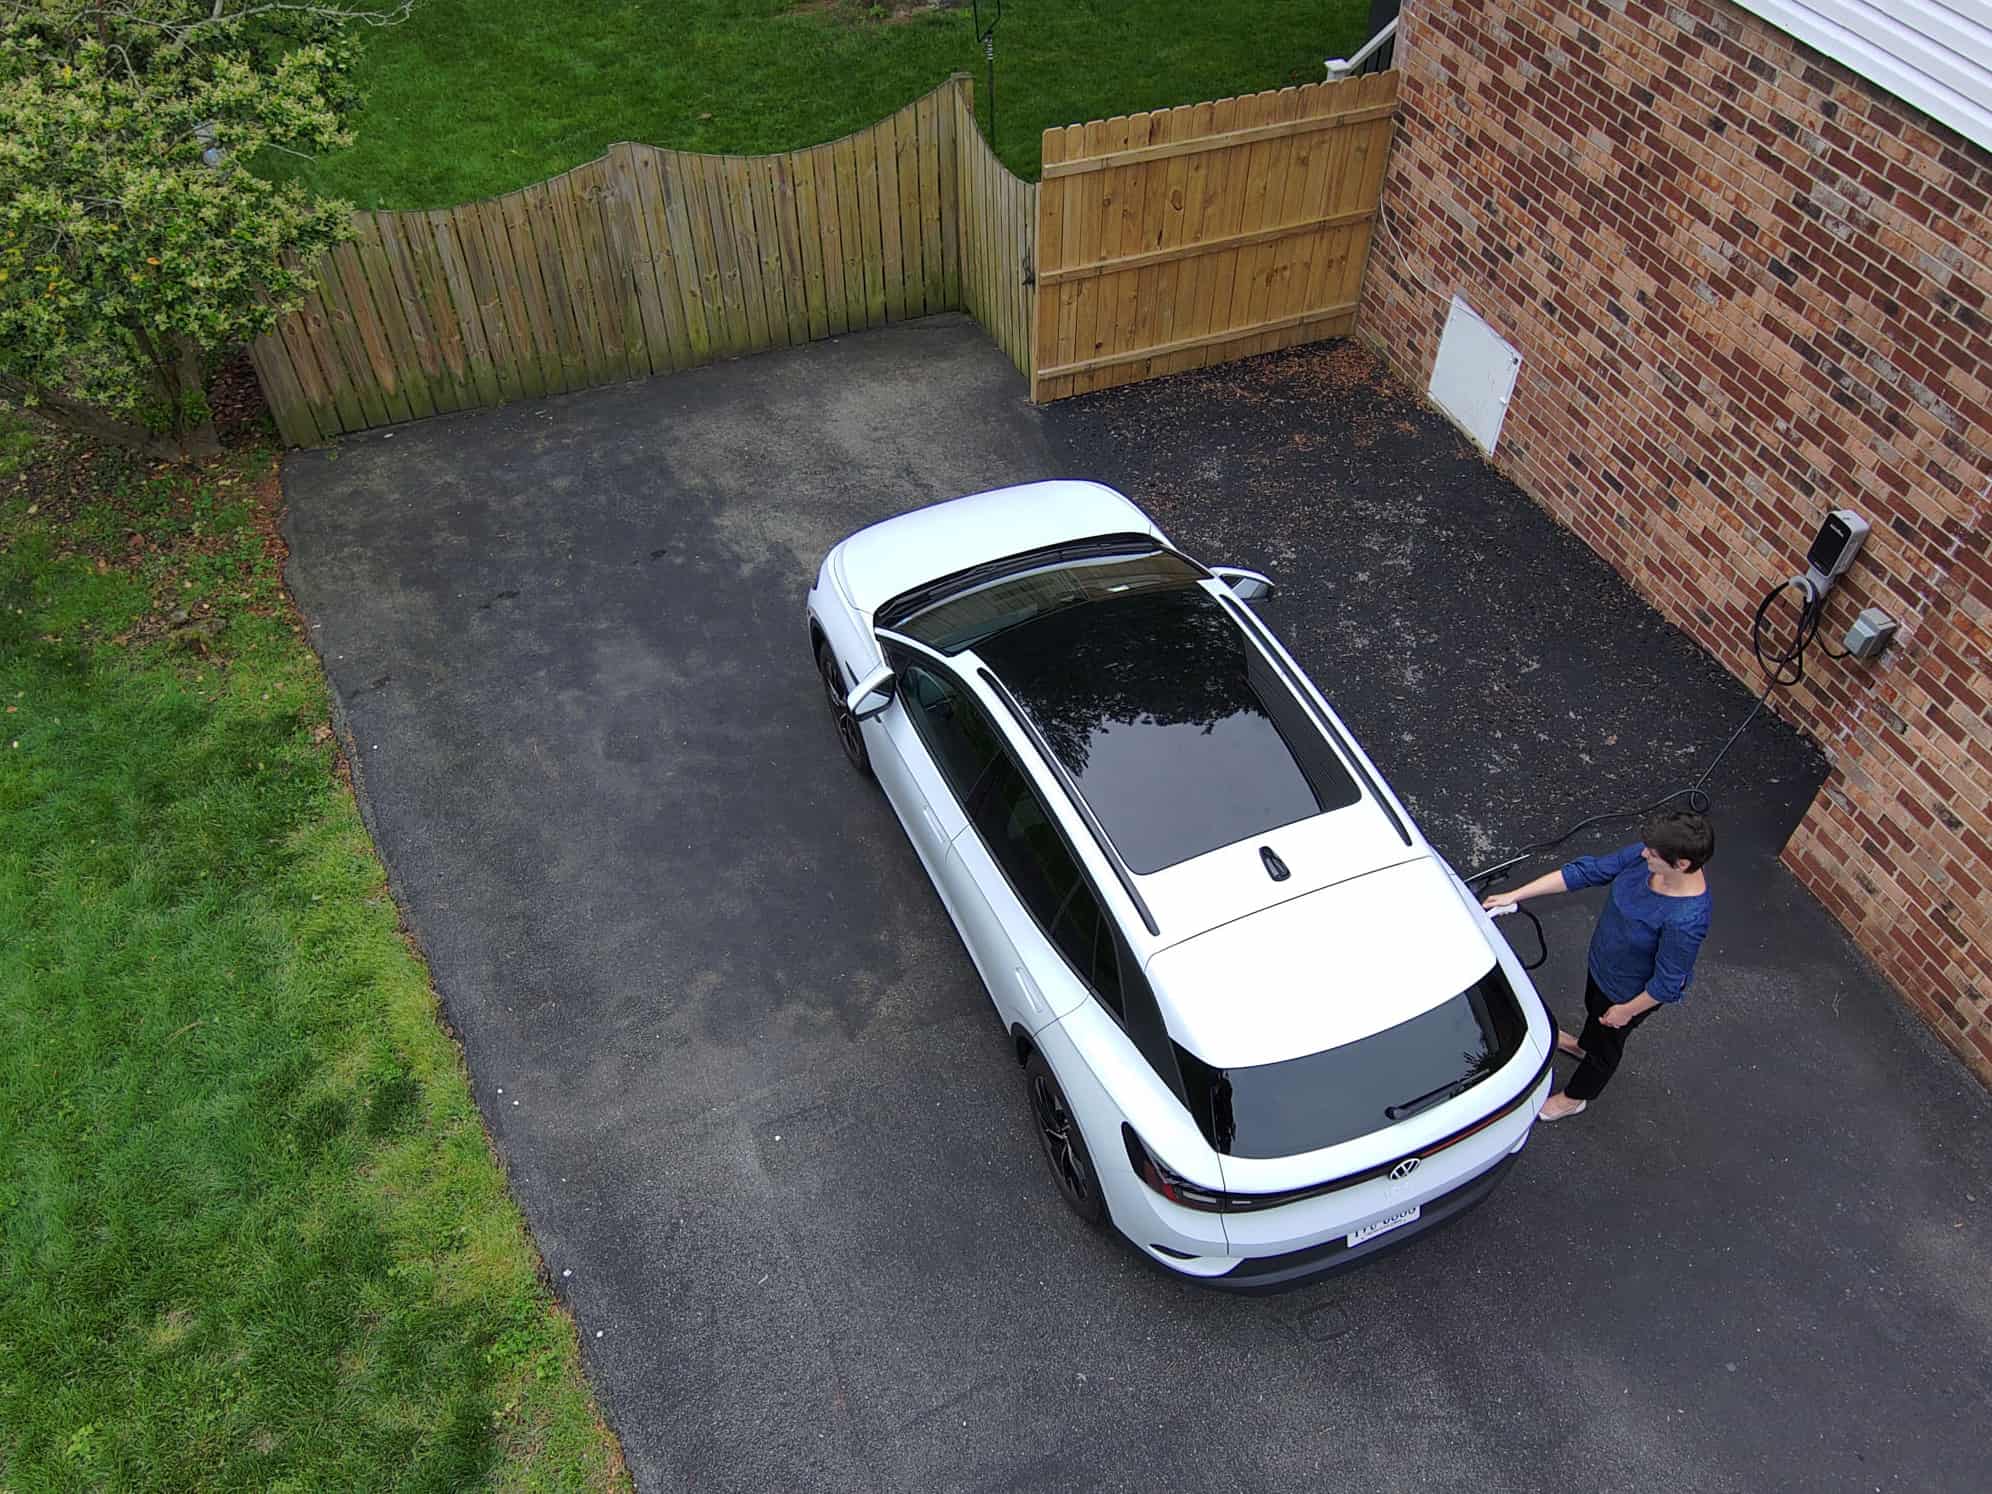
(1559, 1107)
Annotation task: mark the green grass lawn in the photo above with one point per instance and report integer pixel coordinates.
(251, 1231)
(475, 97)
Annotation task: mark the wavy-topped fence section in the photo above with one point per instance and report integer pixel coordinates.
(641, 262)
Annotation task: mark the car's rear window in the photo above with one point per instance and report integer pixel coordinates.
(1179, 734)
(1322, 1099)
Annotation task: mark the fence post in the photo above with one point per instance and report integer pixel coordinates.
(963, 112)
(964, 84)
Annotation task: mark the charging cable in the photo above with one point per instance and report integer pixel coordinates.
(1542, 944)
(1786, 666)
(1697, 800)
(1783, 664)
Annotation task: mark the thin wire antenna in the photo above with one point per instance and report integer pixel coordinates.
(986, 35)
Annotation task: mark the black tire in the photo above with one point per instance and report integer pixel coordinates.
(1064, 1145)
(850, 735)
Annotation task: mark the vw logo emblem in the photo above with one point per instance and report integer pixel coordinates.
(1404, 1169)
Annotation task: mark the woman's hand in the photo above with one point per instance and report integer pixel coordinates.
(1495, 900)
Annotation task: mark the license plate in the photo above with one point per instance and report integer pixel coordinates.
(1371, 1231)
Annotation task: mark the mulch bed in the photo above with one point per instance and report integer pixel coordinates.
(68, 472)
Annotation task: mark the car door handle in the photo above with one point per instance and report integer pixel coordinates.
(934, 824)
(1033, 998)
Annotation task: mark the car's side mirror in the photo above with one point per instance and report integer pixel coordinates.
(1248, 586)
(874, 694)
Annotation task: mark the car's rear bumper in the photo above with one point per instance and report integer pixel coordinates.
(1279, 1273)
(1272, 1249)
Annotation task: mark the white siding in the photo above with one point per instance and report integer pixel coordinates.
(1935, 54)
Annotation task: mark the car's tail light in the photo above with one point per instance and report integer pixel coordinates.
(1180, 1190)
(1172, 1186)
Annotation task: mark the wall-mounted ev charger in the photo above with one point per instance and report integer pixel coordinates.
(1833, 550)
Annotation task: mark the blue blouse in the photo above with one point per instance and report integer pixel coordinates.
(1643, 942)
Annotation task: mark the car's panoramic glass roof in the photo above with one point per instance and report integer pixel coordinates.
(1178, 732)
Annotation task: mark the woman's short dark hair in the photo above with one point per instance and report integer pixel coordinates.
(1680, 835)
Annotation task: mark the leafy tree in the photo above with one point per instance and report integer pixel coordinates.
(135, 240)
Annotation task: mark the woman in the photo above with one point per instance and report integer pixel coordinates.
(1643, 950)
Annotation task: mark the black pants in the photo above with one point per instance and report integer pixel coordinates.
(1603, 1046)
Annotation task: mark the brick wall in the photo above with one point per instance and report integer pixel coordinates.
(1747, 287)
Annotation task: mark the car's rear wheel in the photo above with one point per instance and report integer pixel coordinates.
(1064, 1147)
(850, 735)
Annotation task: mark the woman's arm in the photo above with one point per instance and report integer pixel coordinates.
(1673, 964)
(1674, 960)
(1622, 1012)
(1542, 886)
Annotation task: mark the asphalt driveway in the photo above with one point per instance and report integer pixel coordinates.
(753, 1098)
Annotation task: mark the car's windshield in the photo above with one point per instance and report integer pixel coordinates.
(968, 618)
(1322, 1099)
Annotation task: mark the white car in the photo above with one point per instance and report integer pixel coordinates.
(1265, 1029)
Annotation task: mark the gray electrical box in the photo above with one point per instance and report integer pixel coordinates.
(1870, 634)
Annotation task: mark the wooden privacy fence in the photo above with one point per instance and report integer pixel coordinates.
(1156, 242)
(645, 261)
(1190, 236)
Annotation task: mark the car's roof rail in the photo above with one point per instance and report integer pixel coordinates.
(1043, 750)
(1251, 624)
(1078, 800)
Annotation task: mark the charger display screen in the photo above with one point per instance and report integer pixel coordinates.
(1832, 542)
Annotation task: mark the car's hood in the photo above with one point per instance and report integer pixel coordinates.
(877, 564)
(1323, 969)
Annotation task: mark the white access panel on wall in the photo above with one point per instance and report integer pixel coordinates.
(1474, 375)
